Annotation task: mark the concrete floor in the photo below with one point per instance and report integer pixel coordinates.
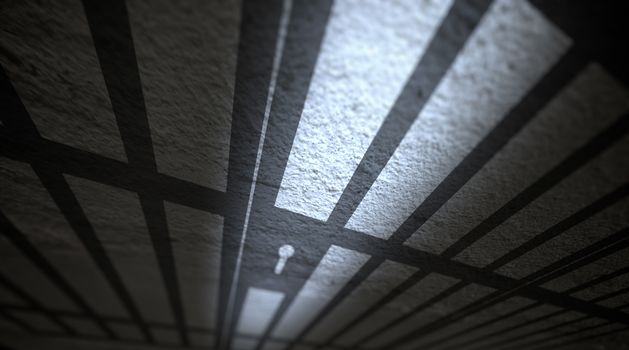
(290, 174)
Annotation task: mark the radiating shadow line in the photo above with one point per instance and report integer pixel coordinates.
(555, 230)
(607, 246)
(79, 163)
(29, 251)
(580, 216)
(368, 244)
(304, 34)
(586, 285)
(579, 158)
(554, 314)
(21, 324)
(560, 75)
(119, 320)
(527, 345)
(19, 123)
(449, 39)
(111, 32)
(107, 318)
(549, 85)
(581, 339)
(256, 47)
(435, 263)
(35, 304)
(561, 335)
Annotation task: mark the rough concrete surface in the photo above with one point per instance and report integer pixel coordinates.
(146, 230)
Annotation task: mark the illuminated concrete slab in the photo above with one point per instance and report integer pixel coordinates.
(584, 108)
(597, 178)
(369, 50)
(259, 308)
(509, 51)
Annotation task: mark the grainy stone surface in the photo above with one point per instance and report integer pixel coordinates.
(187, 59)
(364, 62)
(48, 53)
(512, 47)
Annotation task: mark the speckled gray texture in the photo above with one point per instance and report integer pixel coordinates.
(503, 325)
(187, 59)
(598, 177)
(117, 218)
(597, 228)
(186, 55)
(585, 107)
(500, 309)
(50, 57)
(402, 304)
(196, 242)
(335, 269)
(30, 277)
(369, 50)
(544, 325)
(509, 50)
(452, 303)
(588, 272)
(384, 279)
(28, 205)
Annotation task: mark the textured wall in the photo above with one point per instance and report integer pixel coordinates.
(447, 174)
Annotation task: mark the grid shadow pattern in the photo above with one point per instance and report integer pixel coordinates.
(109, 25)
